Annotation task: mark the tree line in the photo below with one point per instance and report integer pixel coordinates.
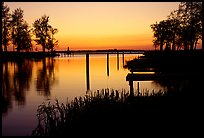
(16, 31)
(181, 30)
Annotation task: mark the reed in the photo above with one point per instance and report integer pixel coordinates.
(104, 110)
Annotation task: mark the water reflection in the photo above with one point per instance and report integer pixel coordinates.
(6, 88)
(22, 79)
(15, 82)
(190, 84)
(46, 77)
(29, 82)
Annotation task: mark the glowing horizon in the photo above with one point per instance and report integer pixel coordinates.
(99, 25)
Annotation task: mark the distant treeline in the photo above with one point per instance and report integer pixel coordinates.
(16, 31)
(181, 30)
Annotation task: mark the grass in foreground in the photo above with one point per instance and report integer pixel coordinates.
(110, 111)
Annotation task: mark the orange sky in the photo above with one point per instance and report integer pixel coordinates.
(99, 25)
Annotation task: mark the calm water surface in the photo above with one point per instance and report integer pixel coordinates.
(28, 83)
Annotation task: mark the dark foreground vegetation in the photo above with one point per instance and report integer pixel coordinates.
(117, 113)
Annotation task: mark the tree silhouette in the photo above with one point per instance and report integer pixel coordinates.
(51, 41)
(159, 34)
(165, 33)
(5, 26)
(44, 33)
(191, 20)
(20, 31)
(182, 29)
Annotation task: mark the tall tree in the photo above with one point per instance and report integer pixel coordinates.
(52, 42)
(159, 34)
(190, 14)
(5, 26)
(44, 33)
(20, 31)
(182, 28)
(165, 33)
(176, 30)
(25, 37)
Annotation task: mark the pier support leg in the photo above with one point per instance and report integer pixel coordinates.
(131, 88)
(107, 64)
(87, 73)
(138, 88)
(123, 59)
(117, 61)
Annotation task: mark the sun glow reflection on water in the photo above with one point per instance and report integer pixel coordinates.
(30, 83)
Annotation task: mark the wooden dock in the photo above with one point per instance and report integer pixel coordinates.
(101, 52)
(153, 76)
(131, 77)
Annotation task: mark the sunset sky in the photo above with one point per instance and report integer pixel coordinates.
(99, 25)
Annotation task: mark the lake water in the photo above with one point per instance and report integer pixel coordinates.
(28, 83)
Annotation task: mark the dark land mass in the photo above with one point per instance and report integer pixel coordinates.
(15, 56)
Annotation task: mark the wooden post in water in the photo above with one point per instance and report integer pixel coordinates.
(1, 74)
(131, 88)
(123, 59)
(118, 60)
(87, 72)
(108, 64)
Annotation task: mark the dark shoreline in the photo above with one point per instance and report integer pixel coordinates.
(168, 61)
(15, 56)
